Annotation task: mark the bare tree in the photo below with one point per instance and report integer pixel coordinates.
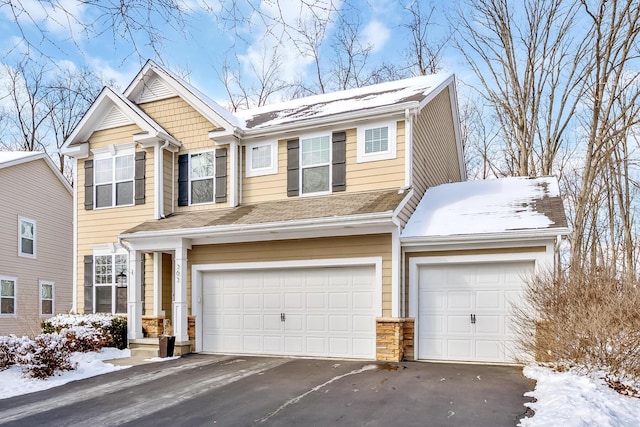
(424, 54)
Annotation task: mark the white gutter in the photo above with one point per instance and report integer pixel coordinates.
(381, 218)
(483, 237)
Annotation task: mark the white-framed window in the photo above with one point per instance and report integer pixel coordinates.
(201, 177)
(27, 232)
(377, 141)
(8, 289)
(110, 278)
(113, 178)
(315, 164)
(46, 298)
(261, 158)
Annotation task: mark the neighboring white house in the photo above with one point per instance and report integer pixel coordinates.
(36, 231)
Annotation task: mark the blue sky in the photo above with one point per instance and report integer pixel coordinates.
(199, 51)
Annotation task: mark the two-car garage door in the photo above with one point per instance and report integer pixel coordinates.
(322, 312)
(465, 310)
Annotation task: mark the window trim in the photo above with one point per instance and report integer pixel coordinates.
(41, 283)
(392, 148)
(213, 177)
(112, 152)
(15, 297)
(113, 284)
(329, 164)
(270, 170)
(34, 255)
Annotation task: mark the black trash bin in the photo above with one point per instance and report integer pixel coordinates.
(167, 343)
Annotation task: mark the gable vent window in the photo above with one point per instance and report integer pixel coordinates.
(315, 164)
(201, 177)
(376, 140)
(114, 177)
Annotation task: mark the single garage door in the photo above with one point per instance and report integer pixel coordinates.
(325, 312)
(465, 310)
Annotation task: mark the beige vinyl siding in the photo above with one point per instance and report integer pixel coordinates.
(366, 176)
(189, 127)
(32, 190)
(303, 249)
(435, 153)
(101, 226)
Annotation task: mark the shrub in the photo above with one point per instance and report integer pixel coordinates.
(12, 348)
(586, 320)
(111, 329)
(47, 354)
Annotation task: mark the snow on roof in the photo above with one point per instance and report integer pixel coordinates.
(489, 206)
(369, 97)
(14, 156)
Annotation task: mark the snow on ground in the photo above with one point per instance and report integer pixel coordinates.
(12, 383)
(573, 400)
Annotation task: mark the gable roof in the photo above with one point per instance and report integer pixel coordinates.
(13, 158)
(396, 95)
(103, 107)
(498, 206)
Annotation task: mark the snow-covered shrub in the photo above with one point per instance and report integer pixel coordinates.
(47, 354)
(586, 321)
(111, 330)
(12, 348)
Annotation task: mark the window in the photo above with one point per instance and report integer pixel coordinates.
(201, 177)
(376, 141)
(262, 159)
(26, 237)
(46, 298)
(315, 164)
(113, 177)
(7, 295)
(110, 280)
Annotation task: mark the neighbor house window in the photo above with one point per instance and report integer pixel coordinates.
(46, 298)
(7, 295)
(201, 177)
(110, 280)
(26, 237)
(376, 141)
(315, 164)
(262, 158)
(113, 178)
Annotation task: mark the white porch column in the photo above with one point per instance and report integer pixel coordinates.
(157, 284)
(180, 320)
(134, 295)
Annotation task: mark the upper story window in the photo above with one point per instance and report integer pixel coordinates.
(315, 164)
(110, 280)
(26, 237)
(262, 158)
(114, 180)
(7, 295)
(201, 177)
(46, 298)
(376, 141)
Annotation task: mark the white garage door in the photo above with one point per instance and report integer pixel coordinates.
(465, 311)
(326, 312)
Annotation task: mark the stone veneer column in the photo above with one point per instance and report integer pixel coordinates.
(394, 339)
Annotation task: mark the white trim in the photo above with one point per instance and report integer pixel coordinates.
(270, 170)
(15, 297)
(197, 270)
(158, 181)
(530, 234)
(392, 141)
(157, 284)
(540, 260)
(53, 297)
(34, 255)
(328, 164)
(74, 268)
(396, 255)
(456, 127)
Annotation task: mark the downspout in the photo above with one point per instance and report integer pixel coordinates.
(173, 182)
(408, 148)
(233, 197)
(74, 280)
(159, 178)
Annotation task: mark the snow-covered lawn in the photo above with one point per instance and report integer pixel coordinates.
(572, 400)
(12, 382)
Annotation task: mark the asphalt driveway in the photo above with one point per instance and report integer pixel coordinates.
(260, 391)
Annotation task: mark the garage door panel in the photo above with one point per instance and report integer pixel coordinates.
(454, 292)
(327, 312)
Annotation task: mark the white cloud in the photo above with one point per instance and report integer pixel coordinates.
(61, 17)
(376, 35)
(120, 77)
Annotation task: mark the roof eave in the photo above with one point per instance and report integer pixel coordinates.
(512, 235)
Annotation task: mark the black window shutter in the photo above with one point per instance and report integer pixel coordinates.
(183, 180)
(139, 176)
(221, 175)
(339, 165)
(88, 284)
(293, 167)
(88, 185)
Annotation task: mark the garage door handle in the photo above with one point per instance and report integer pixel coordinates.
(473, 319)
(282, 317)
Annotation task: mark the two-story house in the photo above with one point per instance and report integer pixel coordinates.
(36, 217)
(275, 230)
